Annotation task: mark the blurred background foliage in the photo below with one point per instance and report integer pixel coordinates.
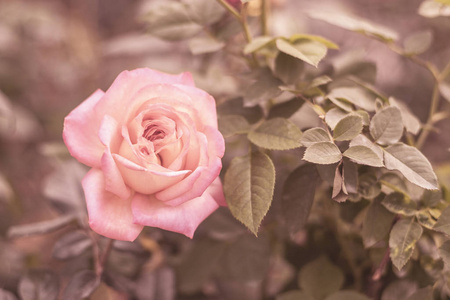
(54, 53)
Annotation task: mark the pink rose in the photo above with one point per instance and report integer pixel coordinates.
(155, 151)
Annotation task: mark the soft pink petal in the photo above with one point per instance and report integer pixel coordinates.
(109, 215)
(184, 218)
(195, 184)
(80, 132)
(216, 191)
(109, 136)
(120, 95)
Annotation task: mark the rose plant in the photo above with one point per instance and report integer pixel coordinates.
(155, 151)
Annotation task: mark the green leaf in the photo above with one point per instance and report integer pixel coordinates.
(333, 116)
(341, 103)
(364, 156)
(205, 44)
(170, 21)
(276, 134)
(443, 223)
(444, 252)
(376, 224)
(246, 259)
(348, 128)
(320, 278)
(412, 164)
(81, 285)
(288, 68)
(350, 174)
(313, 136)
(298, 196)
(249, 184)
(410, 121)
(347, 295)
(397, 203)
(355, 24)
(369, 187)
(324, 153)
(339, 193)
(355, 95)
(236, 107)
(285, 109)
(402, 241)
(425, 219)
(318, 81)
(310, 52)
(298, 36)
(264, 88)
(258, 43)
(431, 198)
(418, 42)
(233, 124)
(444, 88)
(72, 244)
(386, 126)
(294, 295)
(433, 9)
(39, 284)
(394, 182)
(425, 293)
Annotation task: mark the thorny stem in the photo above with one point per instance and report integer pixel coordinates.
(242, 19)
(99, 258)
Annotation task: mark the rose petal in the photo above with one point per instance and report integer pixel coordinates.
(185, 218)
(109, 136)
(108, 214)
(128, 83)
(216, 191)
(194, 184)
(80, 131)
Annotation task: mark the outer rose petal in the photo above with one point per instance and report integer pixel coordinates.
(128, 83)
(108, 214)
(184, 218)
(80, 131)
(216, 191)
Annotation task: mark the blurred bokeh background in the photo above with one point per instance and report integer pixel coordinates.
(54, 53)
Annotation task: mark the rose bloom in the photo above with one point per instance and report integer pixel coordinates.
(155, 151)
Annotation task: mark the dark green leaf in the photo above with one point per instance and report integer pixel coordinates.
(347, 295)
(386, 126)
(320, 278)
(397, 203)
(41, 227)
(71, 245)
(285, 109)
(288, 68)
(298, 196)
(236, 107)
(339, 193)
(444, 252)
(82, 285)
(333, 116)
(233, 124)
(402, 241)
(249, 184)
(431, 198)
(443, 223)
(276, 134)
(394, 182)
(425, 219)
(204, 12)
(324, 153)
(313, 136)
(265, 88)
(364, 156)
(308, 51)
(348, 128)
(412, 164)
(39, 284)
(376, 224)
(156, 284)
(350, 174)
(369, 187)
